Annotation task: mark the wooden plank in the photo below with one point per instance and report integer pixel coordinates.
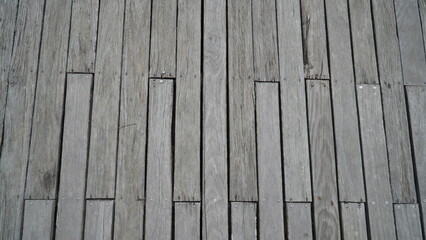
(394, 107)
(271, 211)
(411, 43)
(105, 111)
(407, 221)
(265, 41)
(243, 220)
(163, 39)
(376, 168)
(158, 219)
(326, 208)
(45, 145)
(299, 221)
(83, 33)
(215, 152)
(17, 122)
(187, 221)
(422, 10)
(128, 219)
(38, 219)
(293, 103)
(315, 56)
(187, 158)
(242, 146)
(346, 131)
(99, 219)
(354, 224)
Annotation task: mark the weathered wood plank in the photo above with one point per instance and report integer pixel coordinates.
(242, 146)
(105, 111)
(326, 208)
(158, 219)
(187, 221)
(128, 219)
(422, 10)
(293, 103)
(407, 221)
(99, 219)
(187, 158)
(45, 146)
(354, 224)
(243, 220)
(299, 221)
(38, 219)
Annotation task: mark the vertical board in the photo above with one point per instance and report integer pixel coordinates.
(243, 220)
(422, 10)
(187, 221)
(158, 210)
(99, 219)
(242, 145)
(128, 219)
(105, 111)
(187, 161)
(354, 224)
(271, 212)
(407, 221)
(38, 219)
(299, 221)
(326, 208)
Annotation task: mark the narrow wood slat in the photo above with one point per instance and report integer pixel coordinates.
(422, 10)
(326, 208)
(407, 221)
(243, 220)
(299, 221)
(38, 219)
(187, 221)
(99, 219)
(128, 219)
(354, 223)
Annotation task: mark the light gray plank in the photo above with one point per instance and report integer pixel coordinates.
(242, 146)
(243, 220)
(293, 103)
(376, 169)
(163, 39)
(45, 146)
(326, 208)
(105, 111)
(271, 212)
(187, 159)
(354, 224)
(99, 219)
(314, 39)
(422, 10)
(215, 152)
(38, 219)
(83, 33)
(299, 221)
(407, 221)
(128, 219)
(187, 221)
(346, 130)
(158, 219)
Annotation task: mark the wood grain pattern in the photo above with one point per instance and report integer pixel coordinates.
(99, 219)
(299, 221)
(243, 220)
(422, 10)
(38, 219)
(407, 221)
(187, 221)
(128, 219)
(354, 223)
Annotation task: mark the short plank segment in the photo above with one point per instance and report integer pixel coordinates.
(158, 210)
(326, 208)
(99, 219)
(187, 221)
(407, 221)
(242, 145)
(271, 212)
(128, 219)
(105, 111)
(299, 221)
(354, 222)
(376, 169)
(293, 103)
(38, 219)
(243, 220)
(187, 168)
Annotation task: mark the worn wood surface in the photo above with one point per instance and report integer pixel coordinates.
(38, 219)
(99, 219)
(243, 220)
(422, 10)
(299, 221)
(407, 221)
(354, 222)
(128, 219)
(187, 221)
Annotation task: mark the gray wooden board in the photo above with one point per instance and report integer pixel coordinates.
(299, 221)
(75, 140)
(407, 221)
(128, 219)
(45, 146)
(243, 220)
(215, 167)
(271, 212)
(187, 159)
(326, 208)
(293, 103)
(265, 41)
(158, 219)
(376, 168)
(422, 10)
(83, 33)
(411, 44)
(242, 146)
(105, 110)
(314, 39)
(394, 107)
(354, 222)
(346, 130)
(163, 39)
(99, 219)
(17, 121)
(187, 220)
(38, 219)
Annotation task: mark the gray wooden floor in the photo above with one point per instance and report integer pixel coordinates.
(216, 119)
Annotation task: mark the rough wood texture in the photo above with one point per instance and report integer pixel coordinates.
(158, 210)
(326, 208)
(105, 111)
(128, 219)
(38, 219)
(187, 221)
(422, 10)
(354, 224)
(242, 146)
(99, 219)
(407, 221)
(243, 220)
(299, 221)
